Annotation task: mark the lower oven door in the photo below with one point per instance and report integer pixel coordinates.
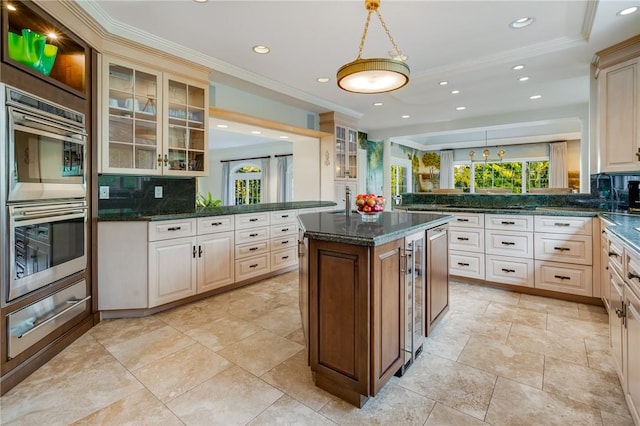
(47, 242)
(32, 323)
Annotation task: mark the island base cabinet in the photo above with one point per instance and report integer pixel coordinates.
(172, 270)
(437, 297)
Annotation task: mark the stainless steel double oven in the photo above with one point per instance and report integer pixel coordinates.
(44, 216)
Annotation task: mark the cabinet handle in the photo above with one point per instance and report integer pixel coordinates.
(253, 235)
(508, 270)
(462, 220)
(253, 249)
(174, 228)
(284, 242)
(216, 223)
(463, 264)
(159, 160)
(285, 257)
(507, 222)
(508, 243)
(562, 277)
(463, 239)
(253, 266)
(199, 251)
(562, 248)
(613, 253)
(284, 229)
(166, 159)
(284, 216)
(620, 313)
(403, 262)
(253, 219)
(561, 224)
(638, 154)
(194, 252)
(632, 275)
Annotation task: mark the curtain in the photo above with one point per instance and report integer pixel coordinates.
(446, 169)
(558, 177)
(226, 184)
(284, 181)
(265, 185)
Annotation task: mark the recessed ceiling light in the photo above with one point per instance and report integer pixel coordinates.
(517, 67)
(256, 132)
(222, 126)
(443, 83)
(406, 116)
(201, 1)
(461, 108)
(11, 7)
(627, 11)
(322, 79)
(455, 92)
(378, 104)
(525, 78)
(535, 97)
(52, 35)
(521, 23)
(284, 137)
(261, 49)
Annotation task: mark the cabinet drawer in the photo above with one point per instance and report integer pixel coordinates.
(209, 225)
(466, 220)
(509, 222)
(171, 229)
(250, 220)
(632, 268)
(509, 270)
(284, 229)
(252, 267)
(564, 224)
(284, 258)
(283, 242)
(563, 277)
(564, 248)
(251, 249)
(466, 264)
(283, 216)
(251, 235)
(613, 249)
(509, 243)
(469, 239)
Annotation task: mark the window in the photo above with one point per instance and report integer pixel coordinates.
(400, 176)
(512, 176)
(247, 184)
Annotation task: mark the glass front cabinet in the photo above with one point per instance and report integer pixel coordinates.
(346, 153)
(153, 123)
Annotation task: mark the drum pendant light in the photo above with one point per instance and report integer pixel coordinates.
(374, 75)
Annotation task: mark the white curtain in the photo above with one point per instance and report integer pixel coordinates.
(226, 184)
(446, 169)
(264, 192)
(284, 180)
(558, 177)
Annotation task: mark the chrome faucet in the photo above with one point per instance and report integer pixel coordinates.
(347, 200)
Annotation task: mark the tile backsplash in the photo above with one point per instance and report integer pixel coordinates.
(138, 194)
(612, 190)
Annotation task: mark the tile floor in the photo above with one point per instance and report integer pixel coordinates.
(498, 358)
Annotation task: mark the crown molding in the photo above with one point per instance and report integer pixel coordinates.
(589, 18)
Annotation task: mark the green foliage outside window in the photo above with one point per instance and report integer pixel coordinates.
(503, 175)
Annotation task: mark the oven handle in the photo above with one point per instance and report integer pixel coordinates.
(54, 124)
(80, 211)
(75, 302)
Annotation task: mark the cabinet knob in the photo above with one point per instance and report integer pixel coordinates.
(638, 154)
(620, 313)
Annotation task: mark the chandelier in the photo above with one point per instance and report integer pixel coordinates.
(374, 75)
(486, 153)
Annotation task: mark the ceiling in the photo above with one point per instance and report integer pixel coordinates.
(467, 43)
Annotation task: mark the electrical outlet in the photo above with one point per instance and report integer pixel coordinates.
(158, 192)
(104, 193)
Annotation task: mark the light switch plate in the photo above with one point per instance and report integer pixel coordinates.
(158, 192)
(104, 193)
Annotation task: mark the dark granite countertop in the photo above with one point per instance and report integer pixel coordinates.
(129, 215)
(516, 209)
(336, 227)
(624, 227)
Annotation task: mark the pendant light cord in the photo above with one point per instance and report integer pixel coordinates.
(386, 30)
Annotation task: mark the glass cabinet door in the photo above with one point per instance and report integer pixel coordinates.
(352, 154)
(132, 120)
(185, 142)
(341, 151)
(346, 153)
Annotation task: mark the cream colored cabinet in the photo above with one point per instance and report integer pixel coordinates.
(466, 245)
(216, 243)
(172, 263)
(616, 322)
(509, 249)
(152, 122)
(632, 323)
(283, 239)
(345, 152)
(252, 256)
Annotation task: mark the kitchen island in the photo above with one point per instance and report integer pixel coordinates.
(355, 303)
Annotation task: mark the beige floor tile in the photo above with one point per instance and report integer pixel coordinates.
(468, 306)
(82, 379)
(599, 355)
(451, 383)
(547, 343)
(180, 371)
(497, 295)
(595, 388)
(223, 332)
(517, 404)
(114, 331)
(577, 328)
(190, 316)
(139, 408)
(504, 361)
(498, 311)
(260, 352)
(445, 342)
(297, 336)
(252, 307)
(393, 405)
(232, 397)
(549, 305)
(441, 415)
(469, 324)
(282, 320)
(288, 411)
(593, 315)
(141, 350)
(294, 378)
(610, 419)
(598, 309)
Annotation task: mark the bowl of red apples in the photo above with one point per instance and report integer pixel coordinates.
(369, 206)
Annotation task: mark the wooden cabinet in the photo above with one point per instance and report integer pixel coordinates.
(632, 323)
(152, 122)
(619, 107)
(437, 281)
(345, 151)
(616, 321)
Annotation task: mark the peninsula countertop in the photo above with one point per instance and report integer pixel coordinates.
(338, 227)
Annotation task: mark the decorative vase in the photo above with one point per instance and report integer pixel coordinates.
(32, 50)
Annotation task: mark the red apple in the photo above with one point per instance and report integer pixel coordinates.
(366, 209)
(371, 201)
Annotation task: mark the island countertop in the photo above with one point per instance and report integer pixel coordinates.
(337, 227)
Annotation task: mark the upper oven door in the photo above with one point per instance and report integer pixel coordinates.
(46, 158)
